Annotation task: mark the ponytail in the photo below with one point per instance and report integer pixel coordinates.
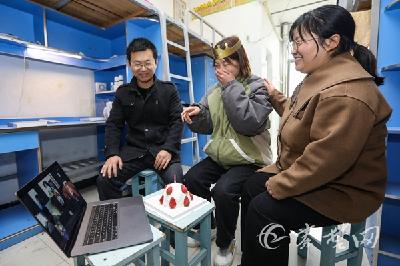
(367, 60)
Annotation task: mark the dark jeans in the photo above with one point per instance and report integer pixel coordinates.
(226, 193)
(110, 188)
(263, 216)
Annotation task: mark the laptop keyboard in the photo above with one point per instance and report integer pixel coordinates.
(103, 224)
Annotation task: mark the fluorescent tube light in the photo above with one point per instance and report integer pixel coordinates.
(35, 49)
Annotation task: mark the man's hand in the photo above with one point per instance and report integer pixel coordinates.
(110, 167)
(162, 160)
(188, 112)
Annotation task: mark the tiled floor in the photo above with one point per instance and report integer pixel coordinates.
(41, 251)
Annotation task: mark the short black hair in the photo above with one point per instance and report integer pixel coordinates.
(140, 44)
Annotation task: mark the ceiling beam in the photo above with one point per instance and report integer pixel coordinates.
(60, 4)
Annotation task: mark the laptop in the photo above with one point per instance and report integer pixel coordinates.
(78, 227)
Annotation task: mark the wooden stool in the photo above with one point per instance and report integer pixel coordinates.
(329, 257)
(152, 182)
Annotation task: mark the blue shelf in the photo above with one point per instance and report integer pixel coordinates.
(22, 145)
(393, 158)
(113, 62)
(393, 5)
(19, 142)
(37, 52)
(393, 191)
(389, 244)
(394, 130)
(394, 67)
(13, 221)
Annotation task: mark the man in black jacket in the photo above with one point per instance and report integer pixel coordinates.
(150, 109)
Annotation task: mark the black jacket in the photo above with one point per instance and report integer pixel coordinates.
(153, 123)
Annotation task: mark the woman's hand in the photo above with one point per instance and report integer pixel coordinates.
(269, 87)
(224, 76)
(188, 112)
(269, 189)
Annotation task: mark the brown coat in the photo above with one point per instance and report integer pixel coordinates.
(332, 142)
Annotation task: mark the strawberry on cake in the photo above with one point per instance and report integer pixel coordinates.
(176, 195)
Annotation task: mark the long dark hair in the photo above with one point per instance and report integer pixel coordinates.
(240, 56)
(328, 20)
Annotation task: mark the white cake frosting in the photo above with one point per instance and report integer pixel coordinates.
(176, 195)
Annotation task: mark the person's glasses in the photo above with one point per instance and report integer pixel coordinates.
(295, 44)
(137, 65)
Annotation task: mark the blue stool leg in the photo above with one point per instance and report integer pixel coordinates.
(205, 239)
(79, 261)
(148, 185)
(356, 230)
(160, 183)
(165, 245)
(143, 258)
(181, 250)
(328, 250)
(135, 185)
(151, 183)
(153, 258)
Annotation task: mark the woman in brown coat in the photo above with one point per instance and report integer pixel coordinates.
(331, 165)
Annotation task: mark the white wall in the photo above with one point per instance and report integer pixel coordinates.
(195, 3)
(166, 6)
(38, 89)
(294, 8)
(251, 24)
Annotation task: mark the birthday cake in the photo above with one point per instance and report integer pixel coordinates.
(176, 195)
(173, 202)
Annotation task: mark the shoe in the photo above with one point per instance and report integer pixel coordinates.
(225, 256)
(193, 243)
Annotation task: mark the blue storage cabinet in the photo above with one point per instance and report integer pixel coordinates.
(177, 66)
(203, 79)
(23, 20)
(149, 29)
(15, 221)
(389, 67)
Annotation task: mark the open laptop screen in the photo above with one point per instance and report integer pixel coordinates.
(55, 202)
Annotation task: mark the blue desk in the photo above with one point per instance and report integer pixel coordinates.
(182, 228)
(16, 224)
(127, 255)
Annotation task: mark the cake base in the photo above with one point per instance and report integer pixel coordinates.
(153, 205)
